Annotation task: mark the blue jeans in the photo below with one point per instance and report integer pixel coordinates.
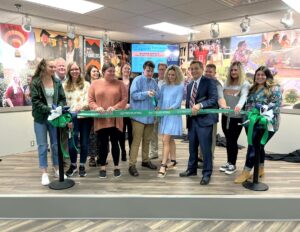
(40, 130)
(81, 128)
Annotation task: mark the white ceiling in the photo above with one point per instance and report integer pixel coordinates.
(124, 19)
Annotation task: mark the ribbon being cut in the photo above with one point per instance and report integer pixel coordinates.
(262, 114)
(154, 113)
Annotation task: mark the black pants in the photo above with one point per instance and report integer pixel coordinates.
(232, 134)
(250, 157)
(126, 124)
(103, 136)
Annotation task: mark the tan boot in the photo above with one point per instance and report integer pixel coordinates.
(261, 173)
(243, 177)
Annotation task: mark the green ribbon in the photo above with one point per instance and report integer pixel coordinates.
(61, 122)
(254, 117)
(150, 113)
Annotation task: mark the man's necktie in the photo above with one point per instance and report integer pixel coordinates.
(193, 95)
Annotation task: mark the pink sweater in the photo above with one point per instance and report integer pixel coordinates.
(103, 93)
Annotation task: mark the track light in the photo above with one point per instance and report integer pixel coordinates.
(26, 20)
(26, 23)
(71, 31)
(190, 37)
(287, 20)
(245, 24)
(214, 30)
(106, 37)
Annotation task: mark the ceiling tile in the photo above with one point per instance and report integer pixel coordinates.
(111, 14)
(138, 6)
(197, 7)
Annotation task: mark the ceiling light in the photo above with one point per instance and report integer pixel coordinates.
(78, 6)
(171, 28)
(71, 31)
(214, 30)
(26, 23)
(245, 24)
(287, 20)
(294, 4)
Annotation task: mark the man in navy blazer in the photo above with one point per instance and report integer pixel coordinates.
(200, 126)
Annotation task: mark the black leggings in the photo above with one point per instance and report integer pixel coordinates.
(232, 134)
(103, 136)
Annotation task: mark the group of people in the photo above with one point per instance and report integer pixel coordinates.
(108, 94)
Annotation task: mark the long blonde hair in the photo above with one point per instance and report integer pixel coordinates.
(241, 73)
(178, 73)
(69, 86)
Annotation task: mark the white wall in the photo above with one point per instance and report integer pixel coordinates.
(17, 133)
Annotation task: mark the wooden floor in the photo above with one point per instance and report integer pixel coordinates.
(145, 226)
(19, 174)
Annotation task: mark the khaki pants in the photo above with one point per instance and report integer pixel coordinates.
(213, 145)
(154, 141)
(140, 132)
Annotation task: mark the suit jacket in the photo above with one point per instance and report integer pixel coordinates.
(206, 95)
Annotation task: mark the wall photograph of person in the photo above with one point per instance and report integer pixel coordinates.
(214, 51)
(21, 51)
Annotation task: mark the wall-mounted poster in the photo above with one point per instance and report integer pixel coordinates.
(20, 52)
(215, 51)
(247, 50)
(92, 52)
(118, 53)
(51, 44)
(281, 53)
(17, 55)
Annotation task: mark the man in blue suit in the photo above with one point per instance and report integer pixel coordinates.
(201, 94)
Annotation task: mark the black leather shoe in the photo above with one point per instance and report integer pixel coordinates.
(149, 165)
(132, 171)
(187, 173)
(205, 180)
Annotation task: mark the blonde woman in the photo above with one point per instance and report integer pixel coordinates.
(235, 93)
(76, 90)
(170, 98)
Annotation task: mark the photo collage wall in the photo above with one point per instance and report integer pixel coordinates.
(279, 51)
(21, 51)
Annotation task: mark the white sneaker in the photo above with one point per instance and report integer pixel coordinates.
(231, 169)
(224, 167)
(56, 174)
(45, 179)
